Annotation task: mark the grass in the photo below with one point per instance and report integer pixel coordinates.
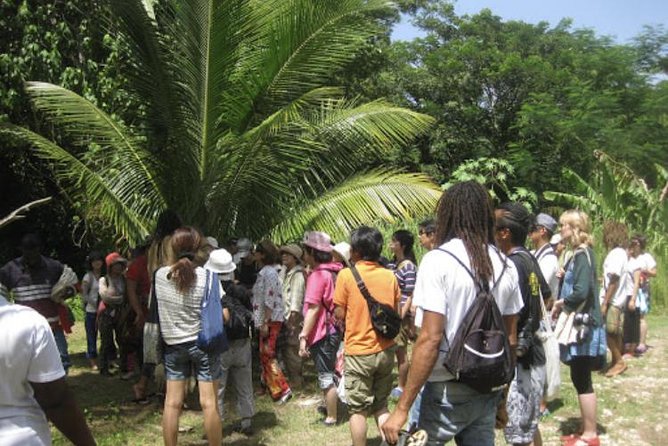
(632, 408)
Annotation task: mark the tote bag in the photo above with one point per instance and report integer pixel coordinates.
(552, 362)
(153, 345)
(212, 338)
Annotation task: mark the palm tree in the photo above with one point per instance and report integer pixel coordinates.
(241, 132)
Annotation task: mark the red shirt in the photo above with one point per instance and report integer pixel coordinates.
(138, 272)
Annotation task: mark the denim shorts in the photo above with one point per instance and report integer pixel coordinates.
(454, 410)
(324, 355)
(182, 359)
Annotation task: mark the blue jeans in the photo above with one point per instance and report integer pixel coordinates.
(61, 343)
(414, 413)
(180, 359)
(91, 335)
(453, 410)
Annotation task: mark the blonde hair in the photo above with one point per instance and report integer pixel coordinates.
(580, 225)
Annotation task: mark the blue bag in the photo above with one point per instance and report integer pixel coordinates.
(212, 338)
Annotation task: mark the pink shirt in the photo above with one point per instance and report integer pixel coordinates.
(320, 291)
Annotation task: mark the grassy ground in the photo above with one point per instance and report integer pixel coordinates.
(632, 408)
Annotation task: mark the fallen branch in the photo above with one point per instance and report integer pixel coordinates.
(17, 214)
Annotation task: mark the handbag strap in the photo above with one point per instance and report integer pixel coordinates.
(362, 286)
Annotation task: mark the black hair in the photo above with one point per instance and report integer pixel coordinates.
(318, 256)
(92, 256)
(406, 240)
(269, 251)
(465, 211)
(31, 241)
(517, 219)
(168, 222)
(367, 243)
(429, 226)
(641, 240)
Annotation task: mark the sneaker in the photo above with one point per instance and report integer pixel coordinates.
(285, 398)
(106, 372)
(396, 393)
(127, 376)
(246, 430)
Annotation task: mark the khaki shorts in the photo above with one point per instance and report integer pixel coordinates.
(369, 380)
(614, 321)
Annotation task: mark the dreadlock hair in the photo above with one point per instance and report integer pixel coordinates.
(185, 242)
(464, 211)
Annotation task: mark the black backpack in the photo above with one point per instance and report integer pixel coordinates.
(479, 355)
(240, 323)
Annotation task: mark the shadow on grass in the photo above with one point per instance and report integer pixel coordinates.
(262, 421)
(573, 425)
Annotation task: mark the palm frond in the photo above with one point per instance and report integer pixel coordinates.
(109, 194)
(86, 124)
(362, 199)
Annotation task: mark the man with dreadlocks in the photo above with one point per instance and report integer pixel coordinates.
(443, 294)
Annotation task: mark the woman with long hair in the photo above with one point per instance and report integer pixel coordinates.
(403, 263)
(179, 290)
(579, 293)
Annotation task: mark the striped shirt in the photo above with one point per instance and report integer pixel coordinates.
(32, 287)
(179, 312)
(406, 275)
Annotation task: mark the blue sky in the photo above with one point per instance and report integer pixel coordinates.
(622, 19)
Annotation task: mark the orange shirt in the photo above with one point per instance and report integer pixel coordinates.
(361, 338)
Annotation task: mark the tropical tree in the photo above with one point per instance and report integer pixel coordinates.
(240, 131)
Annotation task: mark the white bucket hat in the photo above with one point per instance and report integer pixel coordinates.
(343, 249)
(220, 261)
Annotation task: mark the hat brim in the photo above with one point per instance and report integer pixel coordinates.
(215, 269)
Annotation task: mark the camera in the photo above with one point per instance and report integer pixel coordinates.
(582, 319)
(524, 342)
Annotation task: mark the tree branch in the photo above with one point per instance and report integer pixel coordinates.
(17, 214)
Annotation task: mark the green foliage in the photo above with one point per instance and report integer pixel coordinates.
(495, 174)
(241, 129)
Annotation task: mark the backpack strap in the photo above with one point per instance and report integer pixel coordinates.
(483, 286)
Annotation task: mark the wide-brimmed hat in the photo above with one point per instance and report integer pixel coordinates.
(293, 250)
(244, 247)
(114, 258)
(343, 249)
(220, 261)
(318, 240)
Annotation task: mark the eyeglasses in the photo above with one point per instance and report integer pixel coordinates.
(421, 232)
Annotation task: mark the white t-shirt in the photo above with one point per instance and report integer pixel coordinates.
(616, 263)
(646, 261)
(443, 286)
(28, 353)
(91, 299)
(549, 266)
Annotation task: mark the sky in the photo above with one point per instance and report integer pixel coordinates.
(621, 19)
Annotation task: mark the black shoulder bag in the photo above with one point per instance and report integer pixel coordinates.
(385, 321)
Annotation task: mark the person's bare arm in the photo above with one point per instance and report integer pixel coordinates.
(425, 354)
(58, 403)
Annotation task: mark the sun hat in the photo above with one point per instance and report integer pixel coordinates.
(220, 261)
(343, 249)
(318, 241)
(556, 239)
(244, 246)
(293, 250)
(114, 258)
(547, 222)
(211, 241)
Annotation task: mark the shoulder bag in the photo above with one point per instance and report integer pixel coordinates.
(385, 321)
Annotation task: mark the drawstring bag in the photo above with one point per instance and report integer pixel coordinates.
(552, 361)
(211, 337)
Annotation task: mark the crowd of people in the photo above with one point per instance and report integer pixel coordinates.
(312, 300)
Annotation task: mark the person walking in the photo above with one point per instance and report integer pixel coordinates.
(113, 297)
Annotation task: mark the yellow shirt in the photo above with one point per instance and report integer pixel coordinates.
(361, 338)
